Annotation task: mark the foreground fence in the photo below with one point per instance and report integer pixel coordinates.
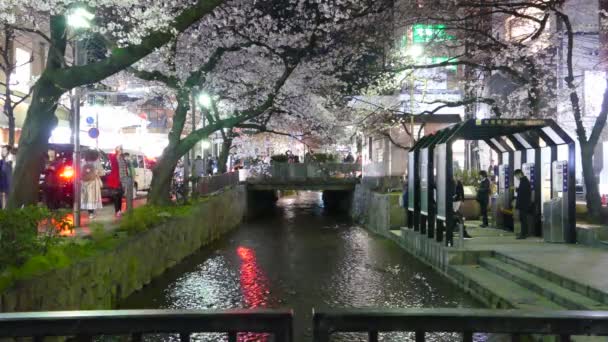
(466, 322)
(86, 325)
(210, 184)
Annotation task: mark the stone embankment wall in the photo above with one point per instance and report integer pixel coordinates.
(379, 212)
(101, 281)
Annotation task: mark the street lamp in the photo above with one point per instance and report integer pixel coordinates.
(77, 18)
(415, 52)
(80, 18)
(204, 100)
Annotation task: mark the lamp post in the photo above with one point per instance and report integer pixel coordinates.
(205, 101)
(414, 51)
(78, 18)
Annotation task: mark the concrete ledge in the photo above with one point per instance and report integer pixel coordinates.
(594, 236)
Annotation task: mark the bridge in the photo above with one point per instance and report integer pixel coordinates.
(305, 176)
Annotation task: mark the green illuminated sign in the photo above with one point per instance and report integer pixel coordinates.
(424, 33)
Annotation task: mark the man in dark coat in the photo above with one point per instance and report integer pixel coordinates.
(483, 197)
(523, 201)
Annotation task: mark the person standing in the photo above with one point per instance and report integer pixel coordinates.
(523, 201)
(349, 158)
(483, 197)
(199, 167)
(126, 177)
(92, 170)
(210, 167)
(113, 182)
(5, 175)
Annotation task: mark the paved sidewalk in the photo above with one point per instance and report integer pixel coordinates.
(582, 264)
(104, 216)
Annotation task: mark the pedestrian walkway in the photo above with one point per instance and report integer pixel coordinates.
(104, 217)
(581, 264)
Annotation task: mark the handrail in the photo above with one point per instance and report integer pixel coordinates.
(209, 184)
(88, 324)
(85, 325)
(464, 321)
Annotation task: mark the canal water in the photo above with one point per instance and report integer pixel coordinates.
(301, 257)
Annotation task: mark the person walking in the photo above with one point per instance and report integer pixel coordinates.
(523, 202)
(483, 197)
(92, 170)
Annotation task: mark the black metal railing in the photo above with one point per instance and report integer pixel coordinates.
(290, 172)
(86, 325)
(466, 322)
(211, 184)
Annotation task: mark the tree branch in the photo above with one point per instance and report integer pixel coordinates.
(121, 58)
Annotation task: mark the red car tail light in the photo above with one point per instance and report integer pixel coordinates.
(67, 173)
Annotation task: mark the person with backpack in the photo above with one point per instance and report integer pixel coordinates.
(92, 171)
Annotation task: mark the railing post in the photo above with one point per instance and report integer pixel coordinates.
(373, 336)
(467, 336)
(232, 336)
(420, 336)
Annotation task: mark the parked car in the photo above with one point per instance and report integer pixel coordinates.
(142, 166)
(57, 177)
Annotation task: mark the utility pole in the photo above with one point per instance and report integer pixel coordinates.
(76, 139)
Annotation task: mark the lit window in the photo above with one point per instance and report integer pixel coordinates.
(595, 84)
(23, 72)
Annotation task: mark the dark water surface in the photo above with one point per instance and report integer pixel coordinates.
(301, 258)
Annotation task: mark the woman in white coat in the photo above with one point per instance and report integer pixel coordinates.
(92, 171)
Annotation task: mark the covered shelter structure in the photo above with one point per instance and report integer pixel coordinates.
(539, 147)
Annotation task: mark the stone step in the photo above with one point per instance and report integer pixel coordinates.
(556, 293)
(500, 292)
(555, 278)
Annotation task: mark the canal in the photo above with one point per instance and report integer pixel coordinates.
(300, 257)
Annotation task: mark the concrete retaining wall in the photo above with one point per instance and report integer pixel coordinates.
(379, 212)
(101, 281)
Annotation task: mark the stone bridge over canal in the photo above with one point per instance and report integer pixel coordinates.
(305, 176)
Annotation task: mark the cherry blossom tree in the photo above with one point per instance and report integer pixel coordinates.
(130, 30)
(10, 97)
(254, 66)
(517, 43)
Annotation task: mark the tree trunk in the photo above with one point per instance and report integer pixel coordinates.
(223, 158)
(592, 194)
(39, 123)
(162, 175)
(11, 128)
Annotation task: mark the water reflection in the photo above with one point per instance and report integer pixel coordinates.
(302, 258)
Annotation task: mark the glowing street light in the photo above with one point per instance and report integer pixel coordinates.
(204, 100)
(80, 18)
(77, 18)
(415, 51)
